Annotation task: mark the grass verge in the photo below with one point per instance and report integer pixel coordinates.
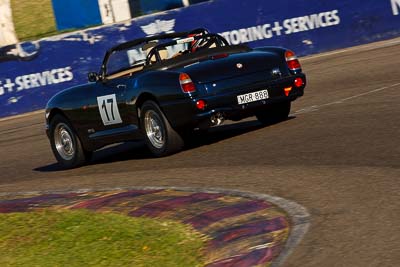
(83, 238)
(33, 19)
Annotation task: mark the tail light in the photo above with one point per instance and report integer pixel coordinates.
(201, 104)
(298, 82)
(187, 84)
(292, 61)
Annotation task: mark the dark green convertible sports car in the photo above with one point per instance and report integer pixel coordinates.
(158, 88)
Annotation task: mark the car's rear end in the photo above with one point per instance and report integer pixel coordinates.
(236, 85)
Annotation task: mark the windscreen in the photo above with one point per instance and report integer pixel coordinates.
(135, 56)
(153, 51)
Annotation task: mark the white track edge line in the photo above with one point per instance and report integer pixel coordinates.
(340, 101)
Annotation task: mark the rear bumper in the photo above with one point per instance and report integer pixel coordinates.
(184, 113)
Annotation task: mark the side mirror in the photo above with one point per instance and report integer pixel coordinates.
(93, 77)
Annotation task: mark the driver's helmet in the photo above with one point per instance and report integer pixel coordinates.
(196, 44)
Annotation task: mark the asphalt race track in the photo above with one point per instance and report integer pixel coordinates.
(338, 156)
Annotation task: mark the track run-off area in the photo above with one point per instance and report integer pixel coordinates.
(338, 156)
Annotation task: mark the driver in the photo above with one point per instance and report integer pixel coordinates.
(196, 44)
(200, 43)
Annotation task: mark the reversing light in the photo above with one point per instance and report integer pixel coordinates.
(186, 83)
(292, 61)
(201, 104)
(298, 82)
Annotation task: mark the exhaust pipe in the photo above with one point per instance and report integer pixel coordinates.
(217, 119)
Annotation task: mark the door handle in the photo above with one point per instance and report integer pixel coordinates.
(120, 86)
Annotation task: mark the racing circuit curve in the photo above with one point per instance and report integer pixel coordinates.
(338, 156)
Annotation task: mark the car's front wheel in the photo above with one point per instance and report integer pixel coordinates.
(66, 146)
(161, 138)
(275, 113)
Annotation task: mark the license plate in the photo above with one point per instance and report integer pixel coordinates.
(252, 97)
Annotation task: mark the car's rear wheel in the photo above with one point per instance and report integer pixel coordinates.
(275, 113)
(66, 146)
(161, 138)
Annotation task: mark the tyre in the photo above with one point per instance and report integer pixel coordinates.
(161, 138)
(65, 143)
(274, 114)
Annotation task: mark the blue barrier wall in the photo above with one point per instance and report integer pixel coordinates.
(76, 14)
(29, 79)
(152, 5)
